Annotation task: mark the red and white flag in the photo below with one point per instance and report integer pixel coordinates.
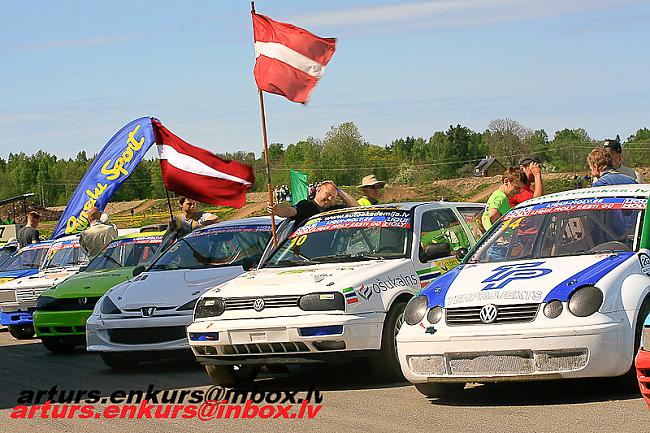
(199, 174)
(289, 60)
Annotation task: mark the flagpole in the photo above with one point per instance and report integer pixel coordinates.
(169, 203)
(266, 159)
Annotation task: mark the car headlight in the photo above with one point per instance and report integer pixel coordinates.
(209, 307)
(645, 338)
(322, 301)
(415, 310)
(44, 301)
(553, 309)
(585, 301)
(434, 315)
(188, 305)
(108, 307)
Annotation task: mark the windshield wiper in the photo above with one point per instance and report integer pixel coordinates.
(286, 263)
(333, 258)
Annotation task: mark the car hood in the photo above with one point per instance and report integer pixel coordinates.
(12, 275)
(48, 278)
(170, 288)
(300, 280)
(93, 283)
(520, 282)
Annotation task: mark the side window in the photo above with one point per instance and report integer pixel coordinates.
(441, 234)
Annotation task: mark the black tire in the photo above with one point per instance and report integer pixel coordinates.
(386, 364)
(58, 344)
(119, 361)
(21, 332)
(437, 390)
(232, 375)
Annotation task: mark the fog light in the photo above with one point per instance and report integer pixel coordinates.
(434, 315)
(204, 336)
(329, 345)
(321, 330)
(553, 309)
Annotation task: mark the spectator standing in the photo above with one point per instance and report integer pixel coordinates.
(94, 239)
(189, 219)
(613, 146)
(498, 204)
(531, 168)
(29, 234)
(600, 164)
(371, 187)
(325, 199)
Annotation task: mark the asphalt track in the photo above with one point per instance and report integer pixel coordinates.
(353, 399)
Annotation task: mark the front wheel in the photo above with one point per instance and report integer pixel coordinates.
(232, 375)
(435, 390)
(386, 365)
(21, 332)
(58, 344)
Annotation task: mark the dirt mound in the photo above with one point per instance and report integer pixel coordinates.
(17, 212)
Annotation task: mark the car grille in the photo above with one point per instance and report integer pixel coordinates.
(522, 362)
(146, 335)
(71, 304)
(269, 302)
(254, 348)
(29, 295)
(517, 313)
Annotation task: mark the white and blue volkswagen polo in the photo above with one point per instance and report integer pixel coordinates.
(558, 288)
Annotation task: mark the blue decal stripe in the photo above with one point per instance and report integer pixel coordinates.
(437, 290)
(587, 276)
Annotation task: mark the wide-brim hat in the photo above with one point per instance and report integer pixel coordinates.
(371, 180)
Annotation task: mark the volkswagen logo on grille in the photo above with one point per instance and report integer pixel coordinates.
(82, 301)
(488, 313)
(147, 311)
(258, 304)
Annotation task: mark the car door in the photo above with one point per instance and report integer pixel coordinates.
(437, 235)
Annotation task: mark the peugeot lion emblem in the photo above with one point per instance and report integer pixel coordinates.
(148, 311)
(258, 304)
(488, 313)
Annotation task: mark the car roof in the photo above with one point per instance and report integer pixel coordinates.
(634, 190)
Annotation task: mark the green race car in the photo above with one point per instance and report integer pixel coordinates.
(62, 311)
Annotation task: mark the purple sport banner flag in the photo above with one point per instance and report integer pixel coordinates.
(109, 170)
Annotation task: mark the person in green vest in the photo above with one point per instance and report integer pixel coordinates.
(497, 204)
(370, 186)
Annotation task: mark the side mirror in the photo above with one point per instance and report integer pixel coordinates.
(461, 253)
(138, 270)
(82, 268)
(248, 263)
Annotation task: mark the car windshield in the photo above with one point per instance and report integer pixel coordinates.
(215, 247)
(63, 255)
(346, 237)
(564, 228)
(27, 258)
(5, 253)
(126, 252)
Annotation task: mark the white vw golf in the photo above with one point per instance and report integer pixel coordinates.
(558, 288)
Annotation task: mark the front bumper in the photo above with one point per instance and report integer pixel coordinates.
(494, 353)
(643, 374)
(16, 318)
(293, 339)
(60, 323)
(137, 334)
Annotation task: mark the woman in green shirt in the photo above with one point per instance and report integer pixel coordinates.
(497, 204)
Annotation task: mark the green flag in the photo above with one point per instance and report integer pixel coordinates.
(299, 186)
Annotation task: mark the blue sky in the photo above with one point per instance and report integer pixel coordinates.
(72, 73)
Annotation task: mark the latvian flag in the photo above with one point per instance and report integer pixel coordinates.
(199, 174)
(289, 60)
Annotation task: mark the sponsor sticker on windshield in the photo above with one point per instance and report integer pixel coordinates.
(230, 229)
(131, 241)
(36, 247)
(596, 203)
(360, 219)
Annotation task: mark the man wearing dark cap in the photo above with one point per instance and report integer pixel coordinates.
(613, 146)
(531, 172)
